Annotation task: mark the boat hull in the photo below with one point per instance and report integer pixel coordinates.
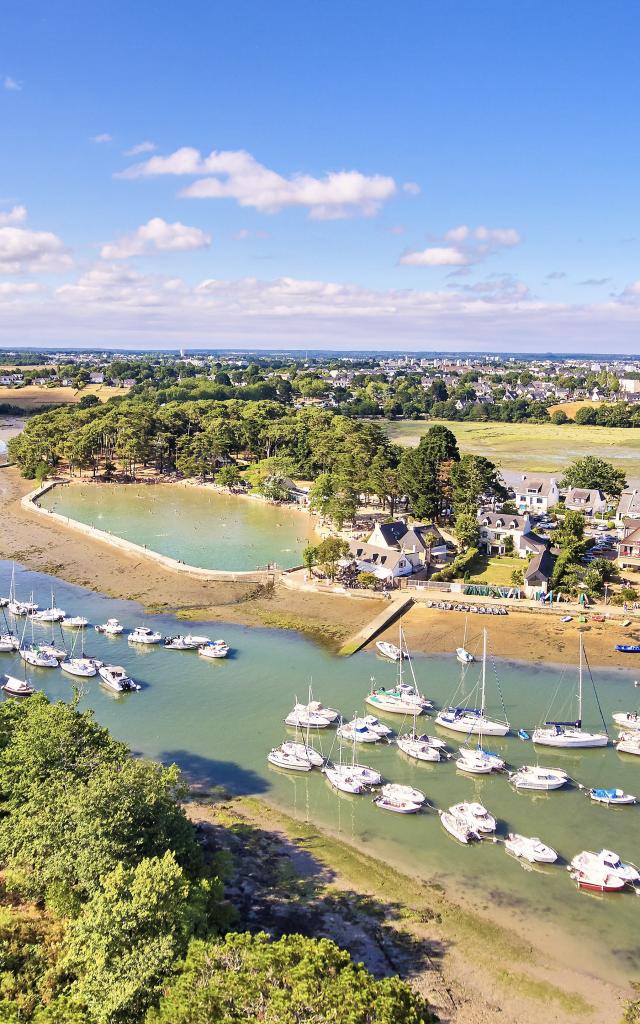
(472, 726)
(569, 742)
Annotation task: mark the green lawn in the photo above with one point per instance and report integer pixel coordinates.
(532, 447)
(496, 569)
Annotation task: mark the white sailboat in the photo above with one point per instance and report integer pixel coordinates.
(285, 759)
(8, 643)
(462, 654)
(32, 654)
(396, 791)
(470, 720)
(397, 804)
(364, 730)
(51, 614)
(476, 760)
(403, 698)
(570, 734)
(14, 606)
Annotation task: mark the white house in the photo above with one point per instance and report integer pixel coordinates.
(629, 546)
(96, 378)
(384, 563)
(536, 496)
(628, 507)
(495, 527)
(421, 544)
(588, 501)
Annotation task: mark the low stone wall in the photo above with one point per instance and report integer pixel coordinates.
(129, 548)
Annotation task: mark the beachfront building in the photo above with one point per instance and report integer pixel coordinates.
(628, 507)
(495, 529)
(539, 572)
(420, 544)
(629, 545)
(536, 497)
(589, 502)
(386, 564)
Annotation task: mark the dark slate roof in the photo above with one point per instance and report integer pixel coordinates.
(540, 567)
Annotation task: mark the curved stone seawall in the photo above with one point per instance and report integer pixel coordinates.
(128, 547)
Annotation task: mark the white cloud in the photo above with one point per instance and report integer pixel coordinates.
(14, 290)
(236, 174)
(103, 137)
(436, 256)
(25, 251)
(411, 188)
(11, 84)
(459, 234)
(498, 237)
(153, 237)
(16, 215)
(140, 148)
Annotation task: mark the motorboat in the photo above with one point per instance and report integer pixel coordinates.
(345, 782)
(397, 804)
(570, 735)
(529, 848)
(464, 656)
(282, 759)
(303, 717)
(199, 640)
(110, 628)
(84, 667)
(214, 649)
(364, 730)
(389, 650)
(605, 862)
(627, 720)
(473, 720)
(22, 607)
(33, 655)
(304, 752)
(476, 815)
(402, 699)
(597, 879)
(421, 748)
(628, 743)
(144, 635)
(396, 791)
(179, 643)
(535, 777)
(476, 761)
(612, 797)
(8, 643)
(458, 827)
(115, 678)
(18, 687)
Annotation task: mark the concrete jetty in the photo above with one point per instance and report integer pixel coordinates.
(396, 607)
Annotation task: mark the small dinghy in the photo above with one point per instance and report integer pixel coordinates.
(628, 648)
(627, 720)
(464, 656)
(396, 791)
(397, 805)
(389, 650)
(534, 777)
(421, 748)
(303, 752)
(115, 678)
(110, 628)
(612, 797)
(76, 622)
(457, 827)
(281, 759)
(144, 635)
(18, 687)
(529, 848)
(476, 815)
(214, 649)
(8, 643)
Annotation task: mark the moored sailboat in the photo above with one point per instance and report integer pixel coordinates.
(570, 734)
(473, 720)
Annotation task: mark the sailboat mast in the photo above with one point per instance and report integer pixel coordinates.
(580, 687)
(484, 668)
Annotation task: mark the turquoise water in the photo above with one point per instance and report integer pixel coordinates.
(195, 524)
(218, 721)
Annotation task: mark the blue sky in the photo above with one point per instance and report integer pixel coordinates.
(415, 175)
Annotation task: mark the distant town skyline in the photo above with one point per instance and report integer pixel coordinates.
(419, 178)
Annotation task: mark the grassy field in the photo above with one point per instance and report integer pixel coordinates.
(32, 396)
(534, 447)
(496, 569)
(571, 408)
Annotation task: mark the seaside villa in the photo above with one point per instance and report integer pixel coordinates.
(496, 527)
(395, 549)
(589, 502)
(536, 496)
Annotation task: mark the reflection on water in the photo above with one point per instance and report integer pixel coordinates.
(194, 524)
(219, 720)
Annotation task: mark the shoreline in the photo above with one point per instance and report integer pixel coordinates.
(481, 966)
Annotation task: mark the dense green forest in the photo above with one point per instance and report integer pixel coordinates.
(110, 913)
